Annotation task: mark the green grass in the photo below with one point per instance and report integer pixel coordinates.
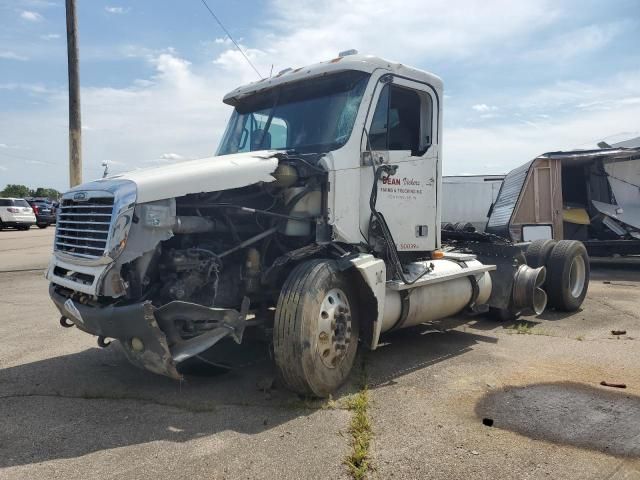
(522, 328)
(358, 461)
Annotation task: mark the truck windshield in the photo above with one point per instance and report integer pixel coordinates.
(307, 116)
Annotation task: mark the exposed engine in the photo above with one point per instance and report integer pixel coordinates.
(225, 243)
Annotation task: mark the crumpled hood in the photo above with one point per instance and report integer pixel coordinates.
(203, 175)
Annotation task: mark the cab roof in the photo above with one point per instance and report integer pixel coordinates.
(363, 63)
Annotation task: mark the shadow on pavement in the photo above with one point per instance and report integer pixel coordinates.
(411, 349)
(93, 400)
(568, 413)
(608, 273)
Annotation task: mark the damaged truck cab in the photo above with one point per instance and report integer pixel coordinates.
(317, 223)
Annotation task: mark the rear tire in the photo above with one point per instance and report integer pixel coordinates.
(23, 227)
(567, 275)
(539, 252)
(315, 333)
(43, 225)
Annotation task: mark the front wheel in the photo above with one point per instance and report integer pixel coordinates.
(43, 225)
(315, 333)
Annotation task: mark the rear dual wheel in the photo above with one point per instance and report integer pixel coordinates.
(567, 275)
(568, 271)
(315, 333)
(539, 252)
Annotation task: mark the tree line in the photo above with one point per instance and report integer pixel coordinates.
(22, 191)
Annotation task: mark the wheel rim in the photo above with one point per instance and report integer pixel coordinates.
(577, 276)
(334, 332)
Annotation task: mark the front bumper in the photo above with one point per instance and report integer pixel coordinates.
(149, 335)
(19, 223)
(124, 323)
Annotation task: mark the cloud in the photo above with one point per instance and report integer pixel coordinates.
(116, 10)
(50, 36)
(509, 145)
(31, 16)
(9, 55)
(32, 88)
(580, 41)
(171, 156)
(40, 3)
(467, 31)
(483, 107)
(607, 93)
(177, 107)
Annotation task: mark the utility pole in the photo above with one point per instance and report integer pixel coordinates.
(75, 124)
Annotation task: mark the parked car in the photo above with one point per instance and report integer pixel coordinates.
(44, 211)
(17, 213)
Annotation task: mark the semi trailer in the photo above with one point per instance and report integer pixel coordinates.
(316, 227)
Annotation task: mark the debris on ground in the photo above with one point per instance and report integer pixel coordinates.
(613, 385)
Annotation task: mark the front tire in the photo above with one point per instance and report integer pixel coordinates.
(315, 333)
(567, 275)
(43, 225)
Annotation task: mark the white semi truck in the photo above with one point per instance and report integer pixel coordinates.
(316, 226)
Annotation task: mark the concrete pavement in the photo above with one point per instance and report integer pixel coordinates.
(24, 250)
(71, 410)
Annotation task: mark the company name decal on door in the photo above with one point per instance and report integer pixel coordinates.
(401, 188)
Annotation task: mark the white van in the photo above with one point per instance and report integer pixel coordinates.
(16, 212)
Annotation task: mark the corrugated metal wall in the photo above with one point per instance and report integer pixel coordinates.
(507, 198)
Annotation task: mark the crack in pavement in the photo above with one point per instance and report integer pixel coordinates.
(151, 401)
(620, 310)
(18, 270)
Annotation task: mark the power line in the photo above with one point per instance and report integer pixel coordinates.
(231, 38)
(20, 157)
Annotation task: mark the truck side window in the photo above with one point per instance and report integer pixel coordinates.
(378, 130)
(396, 122)
(404, 120)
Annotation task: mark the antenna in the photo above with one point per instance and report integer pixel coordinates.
(231, 38)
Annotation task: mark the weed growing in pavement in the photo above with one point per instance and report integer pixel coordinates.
(358, 460)
(522, 328)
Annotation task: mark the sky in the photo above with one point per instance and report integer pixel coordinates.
(521, 77)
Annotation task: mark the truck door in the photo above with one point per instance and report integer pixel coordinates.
(402, 131)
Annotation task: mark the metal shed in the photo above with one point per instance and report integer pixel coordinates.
(587, 195)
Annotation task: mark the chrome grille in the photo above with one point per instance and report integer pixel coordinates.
(83, 226)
